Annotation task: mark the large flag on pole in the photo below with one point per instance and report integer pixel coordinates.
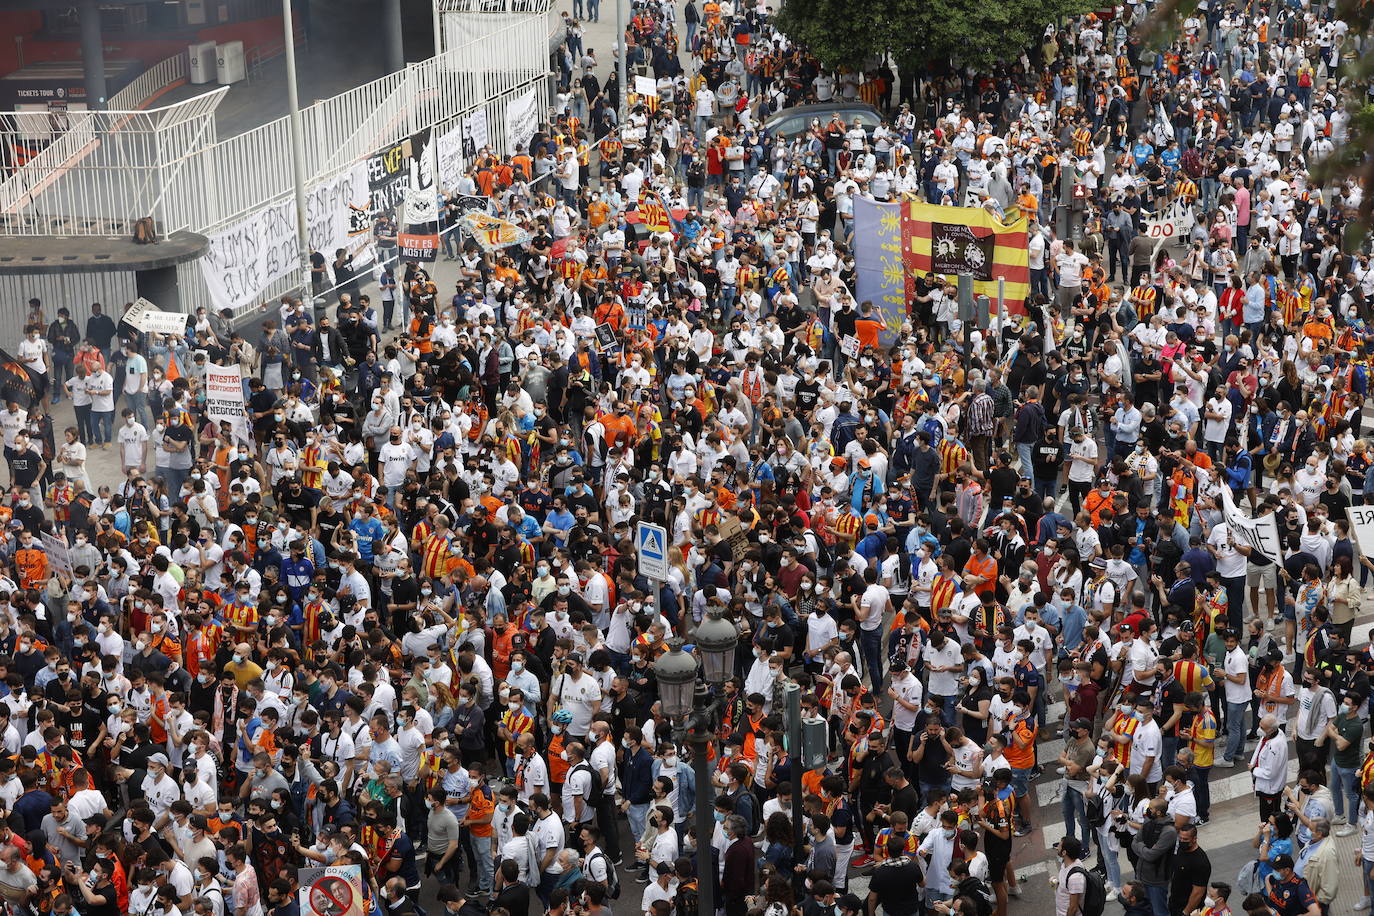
(968, 241)
(652, 211)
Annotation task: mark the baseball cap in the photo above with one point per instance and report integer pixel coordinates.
(1084, 724)
(1282, 860)
(158, 758)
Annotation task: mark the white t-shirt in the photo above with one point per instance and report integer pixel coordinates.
(1080, 471)
(1071, 265)
(1231, 563)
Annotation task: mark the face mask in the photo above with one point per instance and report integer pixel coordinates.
(238, 659)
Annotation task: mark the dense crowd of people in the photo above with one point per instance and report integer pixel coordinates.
(396, 620)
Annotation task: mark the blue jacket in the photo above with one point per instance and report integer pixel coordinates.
(684, 779)
(637, 777)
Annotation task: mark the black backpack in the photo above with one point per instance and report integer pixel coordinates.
(596, 792)
(686, 903)
(612, 879)
(1094, 902)
(979, 893)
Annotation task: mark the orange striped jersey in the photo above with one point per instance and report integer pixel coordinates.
(312, 612)
(1367, 770)
(201, 646)
(1192, 676)
(952, 455)
(1122, 724)
(1185, 189)
(943, 590)
(243, 615)
(1082, 142)
(707, 515)
(517, 723)
(848, 525)
(1143, 301)
(880, 842)
(435, 553)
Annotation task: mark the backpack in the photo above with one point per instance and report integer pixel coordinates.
(747, 807)
(1094, 901)
(145, 231)
(1248, 879)
(1096, 811)
(612, 879)
(596, 793)
(686, 902)
(979, 893)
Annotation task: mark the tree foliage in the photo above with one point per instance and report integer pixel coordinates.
(979, 33)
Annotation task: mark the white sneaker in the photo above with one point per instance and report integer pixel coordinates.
(1061, 770)
(1362, 905)
(1339, 820)
(1224, 764)
(1346, 830)
(1111, 893)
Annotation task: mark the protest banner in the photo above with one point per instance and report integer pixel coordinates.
(1261, 534)
(224, 399)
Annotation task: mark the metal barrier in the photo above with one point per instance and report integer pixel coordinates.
(68, 138)
(107, 169)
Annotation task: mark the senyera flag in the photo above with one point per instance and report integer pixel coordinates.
(652, 211)
(972, 241)
(15, 382)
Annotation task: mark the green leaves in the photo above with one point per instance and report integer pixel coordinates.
(973, 32)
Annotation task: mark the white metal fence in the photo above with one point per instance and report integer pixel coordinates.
(67, 140)
(168, 163)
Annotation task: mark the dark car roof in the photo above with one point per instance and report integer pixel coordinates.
(823, 111)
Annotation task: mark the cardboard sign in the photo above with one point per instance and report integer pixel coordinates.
(849, 346)
(732, 533)
(147, 318)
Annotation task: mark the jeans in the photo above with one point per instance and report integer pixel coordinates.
(638, 815)
(1075, 810)
(1345, 786)
(102, 426)
(1023, 455)
(1365, 868)
(594, 10)
(1235, 729)
(1040, 283)
(1158, 895)
(871, 645)
(138, 403)
(1202, 790)
(479, 848)
(1106, 851)
(174, 478)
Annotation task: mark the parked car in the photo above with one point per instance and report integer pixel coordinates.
(795, 121)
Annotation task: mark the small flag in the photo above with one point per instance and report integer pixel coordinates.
(173, 370)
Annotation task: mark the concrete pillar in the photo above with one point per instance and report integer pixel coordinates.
(391, 28)
(92, 54)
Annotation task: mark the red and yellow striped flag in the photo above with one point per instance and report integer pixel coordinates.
(652, 211)
(954, 241)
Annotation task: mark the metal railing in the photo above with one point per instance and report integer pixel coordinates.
(168, 163)
(149, 84)
(71, 142)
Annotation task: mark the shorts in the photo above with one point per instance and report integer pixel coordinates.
(1020, 782)
(1263, 577)
(999, 854)
(1289, 610)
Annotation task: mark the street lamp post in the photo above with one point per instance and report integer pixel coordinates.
(691, 705)
(297, 147)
